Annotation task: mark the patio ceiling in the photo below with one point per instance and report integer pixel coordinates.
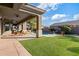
(12, 14)
(18, 11)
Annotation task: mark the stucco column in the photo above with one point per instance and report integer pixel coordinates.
(0, 26)
(39, 26)
(20, 26)
(24, 26)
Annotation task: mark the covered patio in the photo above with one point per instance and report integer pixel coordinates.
(16, 20)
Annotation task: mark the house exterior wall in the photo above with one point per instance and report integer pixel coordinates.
(75, 30)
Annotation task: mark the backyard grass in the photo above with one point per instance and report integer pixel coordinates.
(53, 46)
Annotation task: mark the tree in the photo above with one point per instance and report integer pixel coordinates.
(65, 29)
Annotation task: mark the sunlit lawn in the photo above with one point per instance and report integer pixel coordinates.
(52, 46)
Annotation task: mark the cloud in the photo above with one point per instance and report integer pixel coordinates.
(49, 6)
(58, 16)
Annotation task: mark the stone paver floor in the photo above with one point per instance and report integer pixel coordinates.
(11, 47)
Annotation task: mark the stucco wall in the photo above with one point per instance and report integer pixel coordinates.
(20, 26)
(0, 27)
(75, 30)
(24, 26)
(40, 26)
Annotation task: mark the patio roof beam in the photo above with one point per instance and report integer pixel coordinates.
(22, 10)
(31, 8)
(10, 5)
(27, 18)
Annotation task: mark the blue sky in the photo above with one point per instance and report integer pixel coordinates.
(58, 12)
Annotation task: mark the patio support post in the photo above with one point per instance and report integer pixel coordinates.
(24, 26)
(39, 29)
(2, 25)
(20, 26)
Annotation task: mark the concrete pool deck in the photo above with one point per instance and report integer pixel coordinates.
(50, 35)
(10, 47)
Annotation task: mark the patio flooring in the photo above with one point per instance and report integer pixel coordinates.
(12, 48)
(8, 35)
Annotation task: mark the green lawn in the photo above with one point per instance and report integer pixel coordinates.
(53, 46)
